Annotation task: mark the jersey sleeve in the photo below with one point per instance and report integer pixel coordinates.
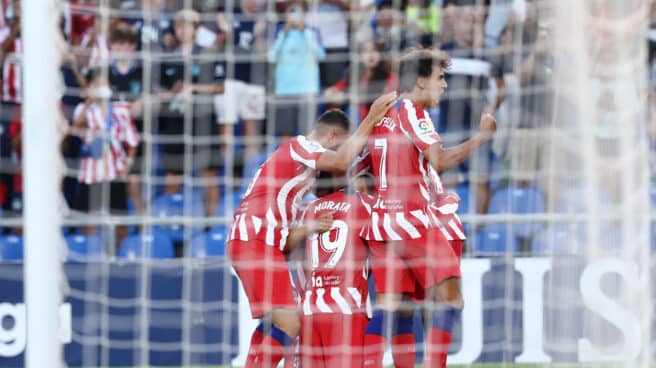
(306, 152)
(417, 125)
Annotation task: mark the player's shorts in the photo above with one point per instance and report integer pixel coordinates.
(419, 293)
(333, 340)
(402, 266)
(239, 100)
(264, 274)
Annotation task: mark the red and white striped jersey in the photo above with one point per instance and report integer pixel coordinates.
(443, 209)
(99, 49)
(12, 71)
(401, 173)
(272, 203)
(337, 259)
(113, 160)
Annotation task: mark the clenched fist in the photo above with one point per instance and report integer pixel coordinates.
(488, 125)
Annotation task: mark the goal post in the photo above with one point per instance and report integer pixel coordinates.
(43, 275)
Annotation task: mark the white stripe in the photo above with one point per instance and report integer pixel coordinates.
(234, 228)
(414, 123)
(296, 157)
(457, 230)
(284, 232)
(387, 225)
(445, 232)
(281, 199)
(425, 177)
(257, 224)
(271, 225)
(374, 226)
(421, 216)
(407, 226)
(355, 293)
(321, 303)
(447, 209)
(307, 310)
(436, 221)
(365, 204)
(341, 302)
(311, 147)
(243, 232)
(473, 67)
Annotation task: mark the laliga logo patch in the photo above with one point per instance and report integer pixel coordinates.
(425, 126)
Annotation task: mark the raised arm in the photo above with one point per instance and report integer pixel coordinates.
(443, 159)
(339, 161)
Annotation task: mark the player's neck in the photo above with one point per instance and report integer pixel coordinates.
(416, 98)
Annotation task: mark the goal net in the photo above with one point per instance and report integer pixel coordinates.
(173, 106)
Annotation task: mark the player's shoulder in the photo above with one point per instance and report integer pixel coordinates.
(306, 144)
(412, 112)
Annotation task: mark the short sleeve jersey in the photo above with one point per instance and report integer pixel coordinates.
(337, 259)
(401, 173)
(274, 198)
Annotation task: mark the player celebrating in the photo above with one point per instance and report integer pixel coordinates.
(266, 214)
(407, 247)
(336, 290)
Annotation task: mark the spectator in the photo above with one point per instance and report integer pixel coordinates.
(80, 19)
(155, 26)
(188, 83)
(385, 27)
(244, 95)
(423, 21)
(331, 18)
(11, 47)
(375, 76)
(109, 144)
(126, 79)
(94, 41)
(296, 54)
(466, 100)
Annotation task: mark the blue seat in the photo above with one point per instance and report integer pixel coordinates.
(463, 192)
(519, 201)
(229, 203)
(210, 244)
(574, 201)
(85, 248)
(494, 239)
(251, 165)
(557, 240)
(11, 247)
(171, 205)
(156, 246)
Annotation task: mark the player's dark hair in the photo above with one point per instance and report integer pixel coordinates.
(334, 117)
(122, 32)
(419, 63)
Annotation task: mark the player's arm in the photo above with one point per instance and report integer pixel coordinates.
(340, 160)
(443, 159)
(299, 234)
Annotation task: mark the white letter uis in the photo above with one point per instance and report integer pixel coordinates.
(533, 271)
(472, 317)
(596, 301)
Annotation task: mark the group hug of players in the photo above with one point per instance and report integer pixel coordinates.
(381, 211)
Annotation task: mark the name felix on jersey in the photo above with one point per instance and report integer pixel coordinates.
(388, 123)
(332, 206)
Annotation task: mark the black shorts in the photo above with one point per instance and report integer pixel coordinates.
(92, 198)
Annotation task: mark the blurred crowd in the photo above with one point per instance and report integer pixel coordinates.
(171, 105)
